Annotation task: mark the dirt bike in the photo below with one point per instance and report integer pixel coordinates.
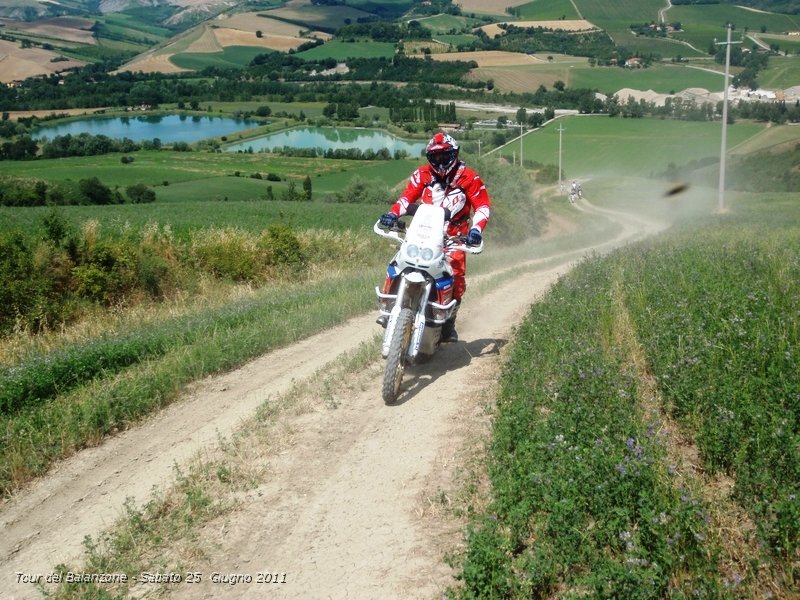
(420, 296)
(575, 194)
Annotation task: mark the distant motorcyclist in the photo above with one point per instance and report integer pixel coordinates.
(448, 182)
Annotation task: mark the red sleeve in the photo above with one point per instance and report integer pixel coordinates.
(413, 191)
(479, 200)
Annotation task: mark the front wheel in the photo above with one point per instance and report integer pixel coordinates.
(396, 358)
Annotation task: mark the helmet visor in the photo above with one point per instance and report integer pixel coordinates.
(441, 159)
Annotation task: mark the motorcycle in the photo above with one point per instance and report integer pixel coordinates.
(419, 299)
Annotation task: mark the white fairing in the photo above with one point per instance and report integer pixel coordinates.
(420, 263)
(423, 245)
(427, 226)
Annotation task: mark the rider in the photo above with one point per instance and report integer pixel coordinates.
(448, 182)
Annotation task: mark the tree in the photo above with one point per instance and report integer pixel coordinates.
(139, 193)
(307, 187)
(259, 33)
(95, 192)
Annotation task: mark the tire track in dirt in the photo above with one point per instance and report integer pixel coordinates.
(340, 514)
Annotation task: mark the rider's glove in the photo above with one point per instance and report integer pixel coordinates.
(388, 220)
(474, 237)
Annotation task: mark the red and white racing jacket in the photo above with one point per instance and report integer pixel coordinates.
(463, 193)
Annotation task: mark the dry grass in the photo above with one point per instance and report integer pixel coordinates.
(22, 114)
(65, 29)
(20, 63)
(207, 42)
(490, 58)
(153, 64)
(494, 29)
(491, 7)
(418, 47)
(236, 37)
(256, 22)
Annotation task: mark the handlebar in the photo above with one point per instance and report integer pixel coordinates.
(455, 242)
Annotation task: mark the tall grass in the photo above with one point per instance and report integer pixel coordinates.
(586, 498)
(164, 357)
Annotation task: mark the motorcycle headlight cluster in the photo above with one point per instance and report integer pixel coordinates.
(414, 251)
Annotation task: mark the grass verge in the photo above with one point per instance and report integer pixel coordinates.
(680, 348)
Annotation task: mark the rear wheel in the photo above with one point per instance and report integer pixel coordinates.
(396, 358)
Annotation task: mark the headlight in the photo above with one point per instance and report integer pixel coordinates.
(427, 254)
(412, 251)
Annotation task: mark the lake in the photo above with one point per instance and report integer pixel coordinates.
(167, 128)
(330, 138)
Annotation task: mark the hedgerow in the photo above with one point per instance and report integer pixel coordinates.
(44, 281)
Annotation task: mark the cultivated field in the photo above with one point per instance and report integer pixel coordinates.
(18, 63)
(67, 29)
(489, 7)
(491, 58)
(494, 29)
(595, 145)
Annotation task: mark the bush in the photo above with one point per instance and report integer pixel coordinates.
(547, 174)
(96, 192)
(360, 189)
(139, 193)
(516, 215)
(227, 253)
(282, 247)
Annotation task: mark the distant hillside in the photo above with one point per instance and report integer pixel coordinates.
(791, 7)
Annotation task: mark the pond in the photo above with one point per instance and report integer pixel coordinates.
(167, 128)
(330, 138)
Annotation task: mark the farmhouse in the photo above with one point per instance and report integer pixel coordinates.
(763, 95)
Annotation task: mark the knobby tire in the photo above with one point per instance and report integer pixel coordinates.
(396, 358)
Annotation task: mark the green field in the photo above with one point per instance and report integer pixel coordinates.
(643, 381)
(619, 11)
(576, 73)
(455, 40)
(781, 73)
(231, 56)
(203, 190)
(596, 145)
(547, 10)
(703, 24)
(664, 79)
(786, 45)
(321, 16)
(616, 18)
(343, 50)
(440, 24)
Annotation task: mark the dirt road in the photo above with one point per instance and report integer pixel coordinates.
(345, 511)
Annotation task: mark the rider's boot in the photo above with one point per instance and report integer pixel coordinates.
(382, 321)
(449, 333)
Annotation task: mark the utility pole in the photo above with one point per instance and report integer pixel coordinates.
(560, 131)
(479, 147)
(724, 144)
(521, 164)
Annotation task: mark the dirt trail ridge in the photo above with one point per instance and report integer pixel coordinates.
(343, 513)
